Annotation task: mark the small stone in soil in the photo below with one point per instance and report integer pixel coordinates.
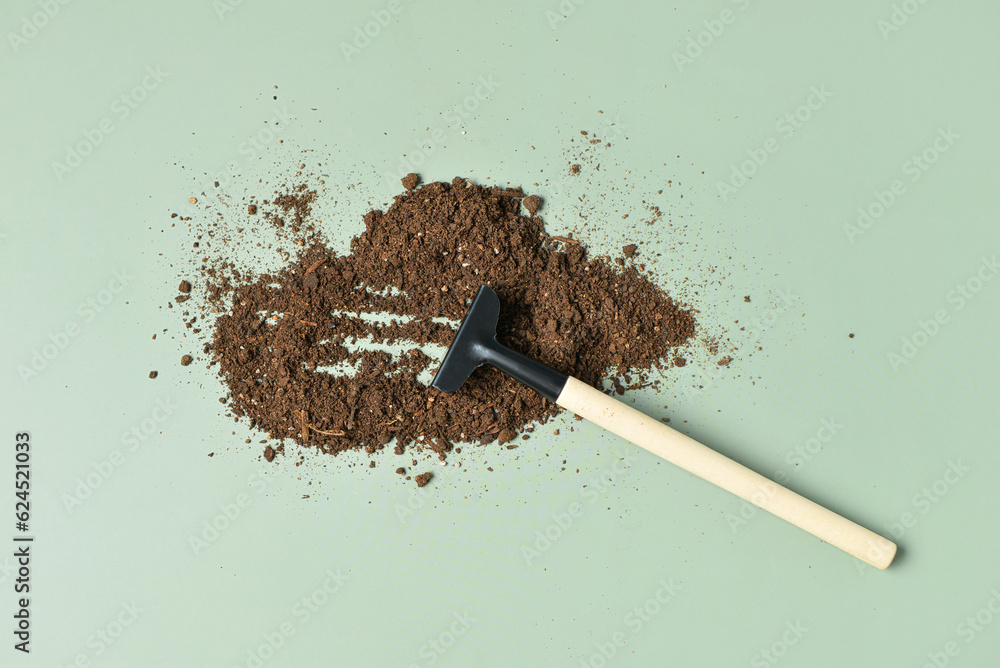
(187, 359)
(269, 453)
(401, 471)
(153, 374)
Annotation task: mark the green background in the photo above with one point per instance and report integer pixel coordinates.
(416, 566)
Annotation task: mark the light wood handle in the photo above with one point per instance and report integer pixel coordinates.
(718, 469)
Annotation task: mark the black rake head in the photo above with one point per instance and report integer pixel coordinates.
(471, 346)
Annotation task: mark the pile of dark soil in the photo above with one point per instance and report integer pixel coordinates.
(421, 261)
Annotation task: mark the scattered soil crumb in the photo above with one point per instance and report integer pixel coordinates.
(411, 180)
(532, 203)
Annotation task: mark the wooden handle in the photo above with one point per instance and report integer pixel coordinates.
(709, 465)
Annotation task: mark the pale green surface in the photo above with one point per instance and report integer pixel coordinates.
(462, 551)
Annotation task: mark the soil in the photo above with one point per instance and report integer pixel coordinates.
(532, 203)
(410, 181)
(300, 358)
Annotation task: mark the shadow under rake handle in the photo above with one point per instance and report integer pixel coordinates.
(719, 470)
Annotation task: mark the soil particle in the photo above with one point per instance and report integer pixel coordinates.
(422, 479)
(410, 181)
(187, 359)
(153, 374)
